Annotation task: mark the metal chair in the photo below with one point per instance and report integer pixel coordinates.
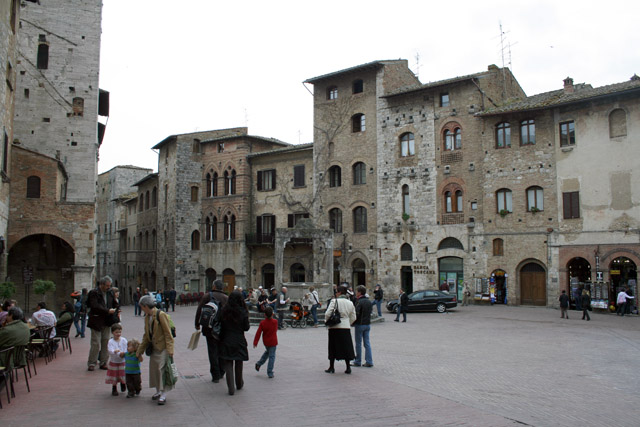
(62, 335)
(5, 371)
(43, 343)
(21, 363)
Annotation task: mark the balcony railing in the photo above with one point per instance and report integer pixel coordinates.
(453, 218)
(259, 239)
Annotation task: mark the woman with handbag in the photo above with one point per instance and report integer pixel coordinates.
(339, 316)
(233, 350)
(157, 343)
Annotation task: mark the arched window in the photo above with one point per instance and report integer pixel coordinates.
(406, 252)
(360, 220)
(78, 106)
(230, 182)
(232, 190)
(297, 273)
(452, 136)
(229, 227)
(358, 86)
(450, 243)
(335, 176)
(214, 185)
(407, 145)
(332, 148)
(405, 200)
(335, 220)
(195, 240)
(147, 200)
(139, 241)
(453, 201)
(208, 190)
(528, 132)
(154, 239)
(359, 174)
(617, 123)
(332, 92)
(358, 123)
(214, 228)
(33, 187)
(498, 247)
(141, 207)
(146, 240)
(459, 201)
(503, 197)
(207, 229)
(43, 56)
(535, 199)
(154, 197)
(503, 135)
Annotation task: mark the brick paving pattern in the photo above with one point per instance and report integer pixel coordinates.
(476, 366)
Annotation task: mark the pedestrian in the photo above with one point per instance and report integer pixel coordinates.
(340, 342)
(101, 306)
(403, 305)
(233, 351)
(564, 304)
(172, 299)
(315, 304)
(159, 300)
(378, 294)
(80, 317)
(466, 294)
(262, 301)
(272, 299)
(269, 330)
(117, 348)
(585, 303)
(157, 336)
(132, 371)
(213, 341)
(622, 301)
(282, 308)
(444, 287)
(577, 297)
(362, 327)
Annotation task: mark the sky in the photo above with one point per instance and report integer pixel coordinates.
(178, 67)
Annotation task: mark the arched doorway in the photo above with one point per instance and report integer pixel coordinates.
(358, 273)
(46, 257)
(533, 284)
(297, 273)
(623, 273)
(406, 278)
(210, 275)
(268, 276)
(451, 271)
(500, 278)
(336, 271)
(578, 273)
(229, 279)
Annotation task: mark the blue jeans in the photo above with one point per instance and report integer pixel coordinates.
(314, 313)
(378, 303)
(270, 353)
(362, 334)
(79, 321)
(137, 311)
(404, 313)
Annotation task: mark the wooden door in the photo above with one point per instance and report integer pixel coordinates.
(533, 285)
(229, 282)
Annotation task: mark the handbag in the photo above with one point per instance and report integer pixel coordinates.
(193, 342)
(170, 372)
(334, 319)
(149, 350)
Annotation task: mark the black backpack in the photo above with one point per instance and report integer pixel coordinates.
(210, 316)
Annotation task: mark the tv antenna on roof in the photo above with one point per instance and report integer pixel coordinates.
(418, 65)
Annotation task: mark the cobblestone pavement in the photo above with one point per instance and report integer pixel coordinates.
(475, 366)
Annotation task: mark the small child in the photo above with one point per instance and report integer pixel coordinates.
(269, 328)
(132, 369)
(115, 370)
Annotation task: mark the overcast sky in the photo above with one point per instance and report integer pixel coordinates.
(184, 66)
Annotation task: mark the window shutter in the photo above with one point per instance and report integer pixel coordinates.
(260, 181)
(259, 227)
(575, 204)
(273, 225)
(566, 205)
(290, 220)
(273, 183)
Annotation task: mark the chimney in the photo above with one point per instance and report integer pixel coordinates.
(568, 85)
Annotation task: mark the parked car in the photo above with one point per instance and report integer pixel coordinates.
(426, 301)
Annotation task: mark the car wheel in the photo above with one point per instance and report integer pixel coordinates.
(393, 309)
(441, 308)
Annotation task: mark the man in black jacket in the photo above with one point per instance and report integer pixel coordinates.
(363, 327)
(102, 306)
(402, 306)
(213, 344)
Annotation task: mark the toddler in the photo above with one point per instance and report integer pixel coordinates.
(269, 328)
(132, 369)
(115, 370)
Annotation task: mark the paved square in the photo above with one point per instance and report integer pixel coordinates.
(476, 366)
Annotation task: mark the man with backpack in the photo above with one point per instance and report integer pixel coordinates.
(208, 317)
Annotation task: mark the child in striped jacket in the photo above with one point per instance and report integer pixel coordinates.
(132, 369)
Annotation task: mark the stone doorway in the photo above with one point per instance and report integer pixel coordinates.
(229, 280)
(533, 285)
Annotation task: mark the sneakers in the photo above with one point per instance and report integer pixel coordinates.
(368, 365)
(91, 368)
(356, 364)
(156, 396)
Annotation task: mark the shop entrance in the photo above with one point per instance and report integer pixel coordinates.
(451, 271)
(268, 276)
(533, 285)
(501, 286)
(210, 275)
(579, 273)
(229, 280)
(359, 273)
(623, 272)
(406, 279)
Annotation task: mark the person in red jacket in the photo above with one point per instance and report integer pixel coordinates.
(269, 330)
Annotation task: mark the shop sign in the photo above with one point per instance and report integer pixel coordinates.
(615, 272)
(337, 253)
(599, 276)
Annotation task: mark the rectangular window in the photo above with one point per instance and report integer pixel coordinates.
(444, 99)
(567, 134)
(220, 147)
(194, 194)
(266, 180)
(298, 176)
(292, 219)
(571, 205)
(5, 154)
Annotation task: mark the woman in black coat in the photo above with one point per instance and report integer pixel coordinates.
(233, 351)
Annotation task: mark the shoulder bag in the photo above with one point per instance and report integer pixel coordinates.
(334, 319)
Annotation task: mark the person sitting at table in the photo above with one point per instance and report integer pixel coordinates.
(15, 332)
(44, 317)
(5, 310)
(65, 318)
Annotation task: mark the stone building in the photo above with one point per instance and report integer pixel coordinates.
(142, 243)
(347, 108)
(579, 186)
(9, 18)
(56, 123)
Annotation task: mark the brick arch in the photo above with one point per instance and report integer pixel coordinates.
(45, 229)
(227, 208)
(449, 181)
(229, 166)
(615, 253)
(335, 205)
(210, 169)
(357, 203)
(358, 255)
